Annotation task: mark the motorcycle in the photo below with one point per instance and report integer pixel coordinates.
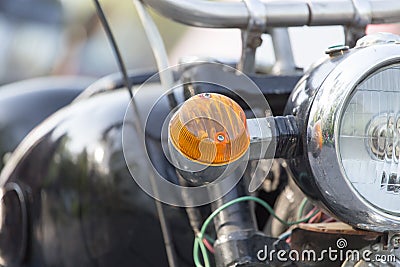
(212, 163)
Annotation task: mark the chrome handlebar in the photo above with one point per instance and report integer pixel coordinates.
(286, 13)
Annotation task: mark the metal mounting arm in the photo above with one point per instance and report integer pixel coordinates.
(281, 130)
(287, 13)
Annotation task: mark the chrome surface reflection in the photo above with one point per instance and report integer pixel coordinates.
(319, 105)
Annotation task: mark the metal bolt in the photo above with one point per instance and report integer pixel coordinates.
(255, 42)
(220, 137)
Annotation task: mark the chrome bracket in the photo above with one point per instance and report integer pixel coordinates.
(362, 17)
(281, 132)
(363, 12)
(251, 37)
(261, 136)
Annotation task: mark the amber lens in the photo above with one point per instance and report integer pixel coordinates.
(210, 128)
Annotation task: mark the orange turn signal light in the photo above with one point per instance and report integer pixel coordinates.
(211, 129)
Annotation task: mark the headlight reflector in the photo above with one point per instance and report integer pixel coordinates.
(369, 139)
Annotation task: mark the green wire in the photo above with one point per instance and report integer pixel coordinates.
(301, 208)
(198, 242)
(209, 238)
(199, 238)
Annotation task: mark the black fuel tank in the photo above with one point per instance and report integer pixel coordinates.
(23, 105)
(82, 206)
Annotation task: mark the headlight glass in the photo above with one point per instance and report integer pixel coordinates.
(369, 139)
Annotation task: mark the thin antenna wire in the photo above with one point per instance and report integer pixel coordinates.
(159, 51)
(159, 206)
(114, 46)
(167, 81)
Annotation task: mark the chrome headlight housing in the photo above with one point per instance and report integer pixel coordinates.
(349, 109)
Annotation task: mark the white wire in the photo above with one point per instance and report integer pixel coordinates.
(157, 46)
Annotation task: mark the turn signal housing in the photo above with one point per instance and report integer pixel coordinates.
(210, 129)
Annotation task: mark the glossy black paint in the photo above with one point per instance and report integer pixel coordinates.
(299, 105)
(14, 224)
(115, 81)
(276, 89)
(23, 105)
(84, 208)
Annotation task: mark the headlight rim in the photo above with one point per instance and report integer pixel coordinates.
(373, 58)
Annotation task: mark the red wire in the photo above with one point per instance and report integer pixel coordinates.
(311, 212)
(208, 245)
(316, 218)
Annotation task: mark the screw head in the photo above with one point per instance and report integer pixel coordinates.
(220, 138)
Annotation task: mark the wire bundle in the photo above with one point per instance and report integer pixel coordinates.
(199, 245)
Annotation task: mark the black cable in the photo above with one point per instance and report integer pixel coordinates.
(110, 36)
(169, 246)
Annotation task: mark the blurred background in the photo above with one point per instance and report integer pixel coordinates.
(64, 37)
